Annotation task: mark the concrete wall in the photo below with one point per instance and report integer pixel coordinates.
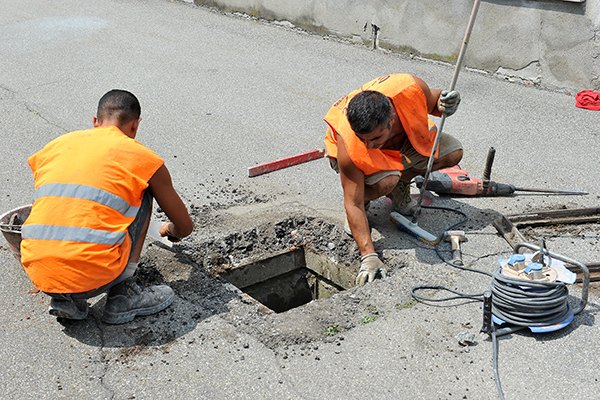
(552, 43)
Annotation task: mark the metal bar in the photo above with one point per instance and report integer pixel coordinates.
(594, 269)
(438, 135)
(578, 192)
(506, 228)
(10, 227)
(572, 213)
(508, 225)
(285, 162)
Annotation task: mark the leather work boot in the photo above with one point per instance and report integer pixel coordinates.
(402, 201)
(128, 299)
(347, 225)
(77, 309)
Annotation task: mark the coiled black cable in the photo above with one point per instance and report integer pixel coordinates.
(523, 302)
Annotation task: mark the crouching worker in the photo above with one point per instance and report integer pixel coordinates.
(93, 203)
(379, 138)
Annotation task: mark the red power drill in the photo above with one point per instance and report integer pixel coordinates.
(454, 180)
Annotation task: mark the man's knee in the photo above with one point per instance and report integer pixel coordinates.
(457, 155)
(449, 160)
(385, 185)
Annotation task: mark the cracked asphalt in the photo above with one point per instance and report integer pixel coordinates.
(221, 93)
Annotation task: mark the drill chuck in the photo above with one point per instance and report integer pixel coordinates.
(500, 189)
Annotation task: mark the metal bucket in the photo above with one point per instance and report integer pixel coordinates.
(10, 225)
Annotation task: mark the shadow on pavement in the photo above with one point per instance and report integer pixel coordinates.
(198, 297)
(434, 221)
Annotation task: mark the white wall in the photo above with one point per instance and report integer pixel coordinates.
(552, 43)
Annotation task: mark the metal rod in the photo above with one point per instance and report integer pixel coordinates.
(438, 135)
(520, 189)
(10, 227)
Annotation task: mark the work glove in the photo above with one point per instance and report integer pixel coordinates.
(370, 266)
(448, 102)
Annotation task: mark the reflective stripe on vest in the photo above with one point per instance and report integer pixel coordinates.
(72, 234)
(87, 193)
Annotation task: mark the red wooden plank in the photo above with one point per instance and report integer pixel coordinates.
(285, 162)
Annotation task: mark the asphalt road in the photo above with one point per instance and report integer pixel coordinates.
(221, 93)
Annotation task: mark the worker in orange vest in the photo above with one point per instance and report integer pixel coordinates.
(93, 203)
(379, 138)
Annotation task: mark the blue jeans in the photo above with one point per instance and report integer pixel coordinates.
(134, 231)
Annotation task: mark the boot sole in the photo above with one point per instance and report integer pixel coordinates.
(407, 213)
(128, 316)
(62, 314)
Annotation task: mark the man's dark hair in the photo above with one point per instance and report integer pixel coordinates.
(119, 105)
(368, 110)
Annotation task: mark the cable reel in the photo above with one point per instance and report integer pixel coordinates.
(529, 290)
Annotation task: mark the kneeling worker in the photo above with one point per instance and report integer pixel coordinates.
(379, 138)
(93, 203)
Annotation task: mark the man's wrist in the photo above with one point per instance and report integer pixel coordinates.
(169, 231)
(436, 111)
(363, 258)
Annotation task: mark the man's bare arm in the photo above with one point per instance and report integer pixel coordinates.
(161, 186)
(432, 96)
(439, 101)
(353, 184)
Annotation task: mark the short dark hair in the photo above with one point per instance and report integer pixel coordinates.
(119, 105)
(368, 110)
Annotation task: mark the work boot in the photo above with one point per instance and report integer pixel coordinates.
(128, 299)
(347, 224)
(401, 200)
(77, 309)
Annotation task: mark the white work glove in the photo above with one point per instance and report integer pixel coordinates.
(370, 267)
(448, 102)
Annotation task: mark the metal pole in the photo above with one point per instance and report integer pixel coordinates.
(436, 143)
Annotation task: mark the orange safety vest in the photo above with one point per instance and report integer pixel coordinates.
(411, 106)
(89, 186)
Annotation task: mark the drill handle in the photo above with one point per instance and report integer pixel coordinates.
(487, 171)
(439, 183)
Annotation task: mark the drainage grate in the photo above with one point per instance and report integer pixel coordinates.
(290, 279)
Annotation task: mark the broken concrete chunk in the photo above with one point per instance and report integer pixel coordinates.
(465, 339)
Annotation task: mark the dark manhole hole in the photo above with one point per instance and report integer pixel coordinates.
(290, 279)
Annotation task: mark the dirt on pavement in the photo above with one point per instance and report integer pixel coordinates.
(235, 225)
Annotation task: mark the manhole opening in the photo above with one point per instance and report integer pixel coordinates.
(290, 279)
